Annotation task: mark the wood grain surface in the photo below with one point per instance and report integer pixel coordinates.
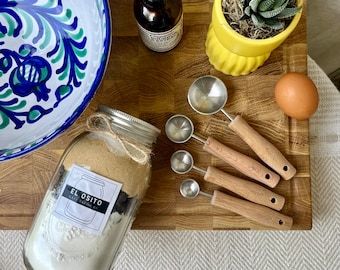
(153, 87)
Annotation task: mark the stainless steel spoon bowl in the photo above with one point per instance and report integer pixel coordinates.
(189, 188)
(179, 128)
(207, 95)
(181, 162)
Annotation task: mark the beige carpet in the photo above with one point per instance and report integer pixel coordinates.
(315, 249)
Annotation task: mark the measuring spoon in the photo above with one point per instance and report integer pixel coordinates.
(179, 129)
(182, 162)
(190, 189)
(208, 95)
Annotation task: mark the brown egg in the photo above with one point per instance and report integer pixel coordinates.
(297, 95)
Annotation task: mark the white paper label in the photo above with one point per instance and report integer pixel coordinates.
(86, 199)
(163, 41)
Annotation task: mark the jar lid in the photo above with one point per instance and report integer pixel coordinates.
(126, 124)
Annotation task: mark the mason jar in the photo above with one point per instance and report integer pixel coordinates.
(92, 199)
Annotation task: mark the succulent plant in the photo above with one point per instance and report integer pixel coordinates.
(269, 13)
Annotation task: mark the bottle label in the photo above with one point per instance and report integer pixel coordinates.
(162, 41)
(86, 199)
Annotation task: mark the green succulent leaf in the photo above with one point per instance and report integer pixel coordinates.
(258, 21)
(253, 4)
(266, 5)
(275, 24)
(272, 13)
(247, 11)
(288, 13)
(278, 3)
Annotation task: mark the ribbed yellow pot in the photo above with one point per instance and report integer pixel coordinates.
(234, 54)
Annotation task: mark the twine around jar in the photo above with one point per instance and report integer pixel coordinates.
(92, 125)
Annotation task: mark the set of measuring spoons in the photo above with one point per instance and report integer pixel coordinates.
(208, 95)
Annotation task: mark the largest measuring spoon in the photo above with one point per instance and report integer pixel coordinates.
(208, 95)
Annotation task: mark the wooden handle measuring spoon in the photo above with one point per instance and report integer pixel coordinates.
(258, 213)
(263, 148)
(182, 162)
(180, 129)
(255, 212)
(208, 95)
(241, 162)
(246, 189)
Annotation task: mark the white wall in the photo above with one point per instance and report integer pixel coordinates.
(323, 33)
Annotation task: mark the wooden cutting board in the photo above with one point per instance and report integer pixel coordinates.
(153, 87)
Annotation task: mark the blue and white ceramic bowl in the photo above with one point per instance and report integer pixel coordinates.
(53, 55)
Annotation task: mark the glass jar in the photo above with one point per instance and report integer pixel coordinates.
(92, 199)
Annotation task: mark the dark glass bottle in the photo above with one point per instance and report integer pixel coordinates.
(160, 23)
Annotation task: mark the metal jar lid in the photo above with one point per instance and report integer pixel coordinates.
(127, 125)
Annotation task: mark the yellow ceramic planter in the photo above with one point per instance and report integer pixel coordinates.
(234, 54)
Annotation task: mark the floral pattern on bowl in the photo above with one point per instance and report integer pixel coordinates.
(53, 55)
